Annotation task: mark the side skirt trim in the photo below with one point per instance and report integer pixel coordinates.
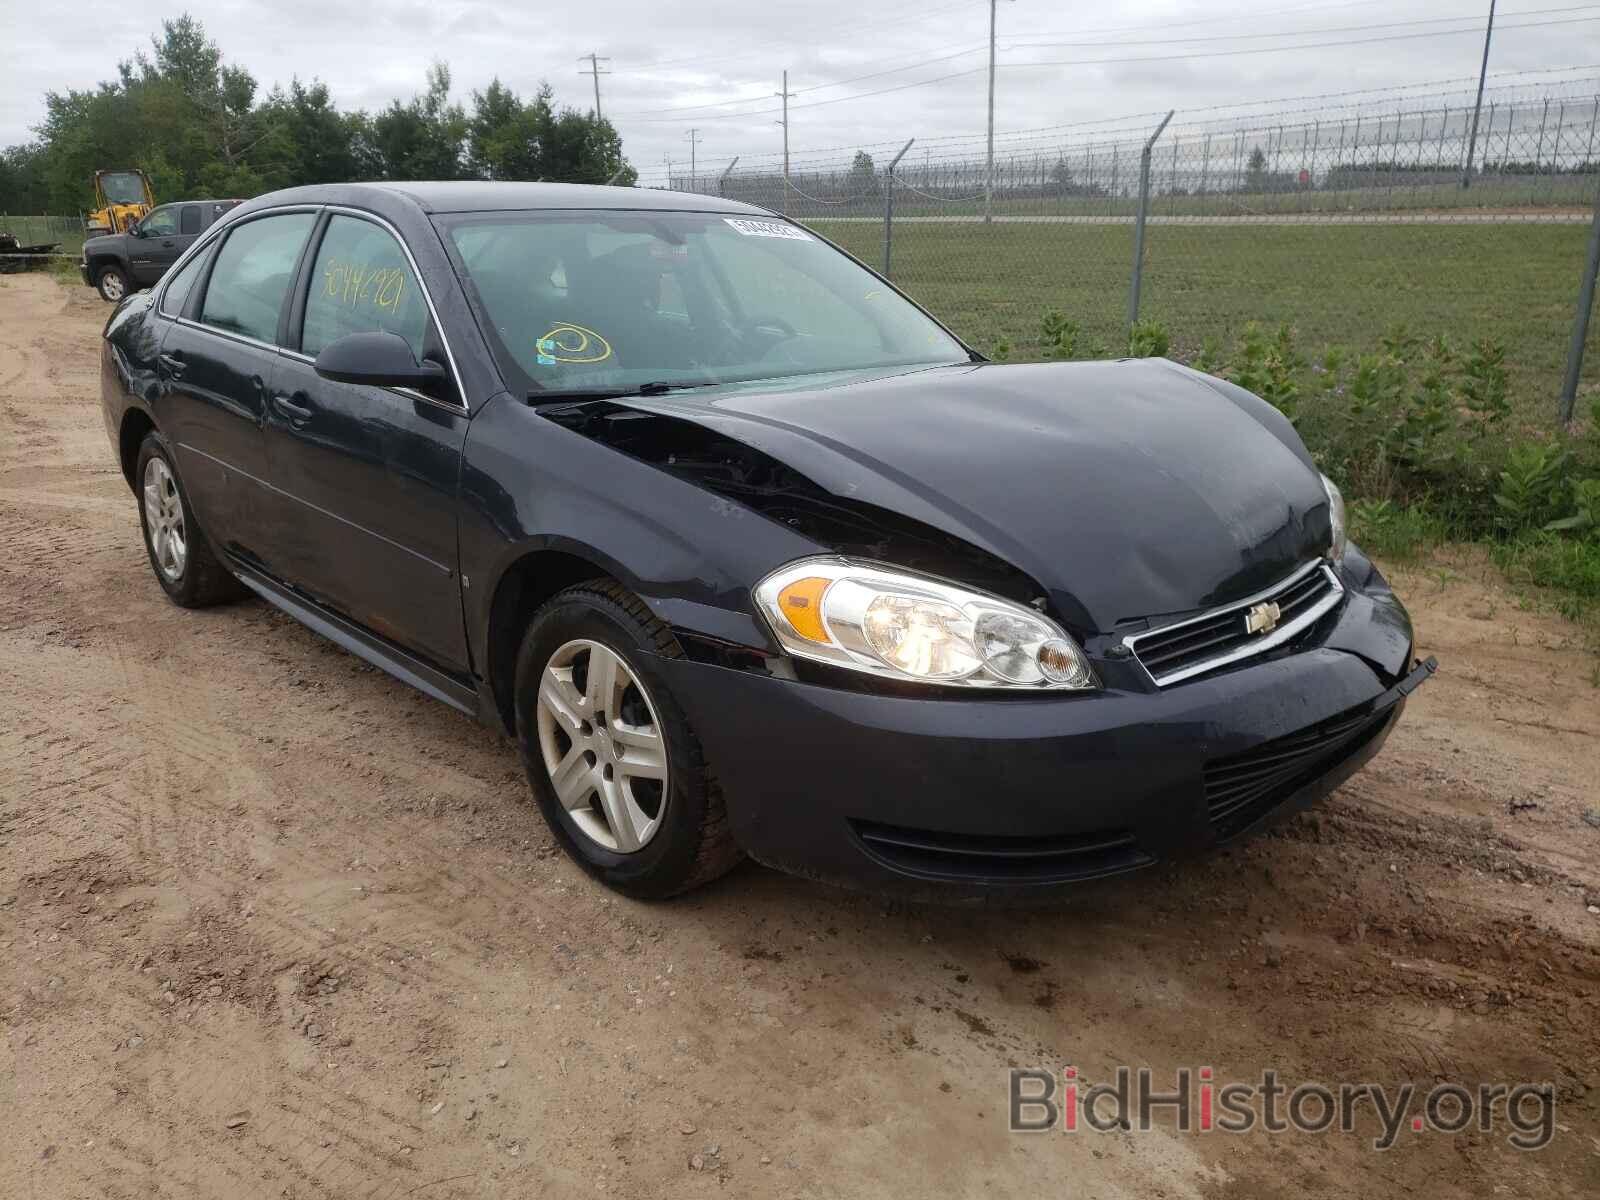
(426, 679)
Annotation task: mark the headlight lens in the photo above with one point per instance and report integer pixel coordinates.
(1336, 519)
(885, 622)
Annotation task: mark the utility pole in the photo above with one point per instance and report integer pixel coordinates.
(1483, 73)
(785, 94)
(694, 178)
(594, 60)
(988, 172)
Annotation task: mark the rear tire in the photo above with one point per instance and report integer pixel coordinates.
(112, 284)
(677, 836)
(181, 557)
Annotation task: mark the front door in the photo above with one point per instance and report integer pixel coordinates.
(161, 239)
(365, 478)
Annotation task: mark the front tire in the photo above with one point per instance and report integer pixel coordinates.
(112, 284)
(613, 763)
(181, 557)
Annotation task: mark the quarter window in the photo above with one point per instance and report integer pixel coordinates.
(180, 285)
(362, 282)
(252, 275)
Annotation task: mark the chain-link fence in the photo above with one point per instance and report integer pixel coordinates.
(1343, 219)
(38, 242)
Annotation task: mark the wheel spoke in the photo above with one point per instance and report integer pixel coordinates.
(572, 779)
(604, 672)
(641, 754)
(621, 815)
(558, 695)
(152, 504)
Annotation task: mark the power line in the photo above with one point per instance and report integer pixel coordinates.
(1433, 33)
(926, 62)
(1307, 103)
(919, 12)
(1475, 18)
(1398, 37)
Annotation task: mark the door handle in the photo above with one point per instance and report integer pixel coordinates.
(290, 407)
(167, 242)
(174, 364)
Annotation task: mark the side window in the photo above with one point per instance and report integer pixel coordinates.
(361, 282)
(161, 222)
(252, 275)
(189, 220)
(180, 285)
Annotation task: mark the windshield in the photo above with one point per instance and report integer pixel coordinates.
(600, 300)
(122, 187)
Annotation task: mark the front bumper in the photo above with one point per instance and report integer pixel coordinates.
(83, 273)
(960, 797)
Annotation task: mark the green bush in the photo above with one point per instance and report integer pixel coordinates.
(1532, 481)
(1148, 339)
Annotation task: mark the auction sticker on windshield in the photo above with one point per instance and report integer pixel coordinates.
(774, 229)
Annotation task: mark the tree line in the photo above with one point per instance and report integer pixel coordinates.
(199, 128)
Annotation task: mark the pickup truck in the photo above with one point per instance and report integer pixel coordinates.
(115, 264)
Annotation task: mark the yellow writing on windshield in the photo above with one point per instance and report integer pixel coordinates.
(355, 284)
(573, 344)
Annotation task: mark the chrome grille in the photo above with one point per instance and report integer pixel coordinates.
(1238, 631)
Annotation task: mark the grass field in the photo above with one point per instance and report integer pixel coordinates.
(1343, 285)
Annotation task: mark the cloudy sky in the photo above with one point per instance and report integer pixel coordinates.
(863, 73)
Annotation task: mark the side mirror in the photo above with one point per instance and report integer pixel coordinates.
(377, 360)
(134, 231)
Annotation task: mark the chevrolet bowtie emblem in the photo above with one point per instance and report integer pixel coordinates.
(1262, 618)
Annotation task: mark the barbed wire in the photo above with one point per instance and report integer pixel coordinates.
(1128, 124)
(911, 187)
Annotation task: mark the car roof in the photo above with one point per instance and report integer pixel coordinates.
(481, 196)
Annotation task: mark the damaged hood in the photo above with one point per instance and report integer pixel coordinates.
(1126, 489)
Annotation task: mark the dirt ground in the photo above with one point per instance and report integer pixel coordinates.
(273, 925)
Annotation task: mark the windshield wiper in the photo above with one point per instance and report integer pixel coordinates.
(654, 388)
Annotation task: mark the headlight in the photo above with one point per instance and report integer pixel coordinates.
(1336, 519)
(869, 618)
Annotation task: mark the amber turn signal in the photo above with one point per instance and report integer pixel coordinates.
(801, 604)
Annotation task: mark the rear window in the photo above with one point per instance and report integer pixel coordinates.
(189, 220)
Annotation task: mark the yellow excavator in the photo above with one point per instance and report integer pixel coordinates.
(122, 197)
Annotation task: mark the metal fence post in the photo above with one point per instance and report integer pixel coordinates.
(1138, 223)
(1580, 324)
(888, 207)
(722, 180)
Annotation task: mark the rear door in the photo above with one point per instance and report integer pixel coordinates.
(365, 478)
(217, 362)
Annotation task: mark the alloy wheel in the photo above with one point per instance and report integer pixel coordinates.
(111, 286)
(163, 518)
(603, 746)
